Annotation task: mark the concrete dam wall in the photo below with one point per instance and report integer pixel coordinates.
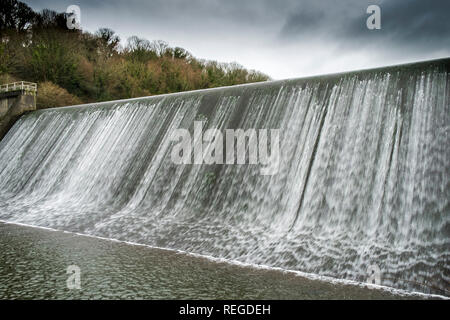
(362, 180)
(12, 106)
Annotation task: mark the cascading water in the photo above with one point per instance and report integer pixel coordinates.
(363, 176)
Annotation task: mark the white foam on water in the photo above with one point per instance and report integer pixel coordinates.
(306, 275)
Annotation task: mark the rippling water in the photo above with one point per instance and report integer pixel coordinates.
(34, 262)
(363, 178)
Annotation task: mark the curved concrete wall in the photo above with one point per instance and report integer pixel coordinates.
(12, 106)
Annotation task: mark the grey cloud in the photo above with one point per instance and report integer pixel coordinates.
(412, 24)
(418, 21)
(304, 20)
(312, 17)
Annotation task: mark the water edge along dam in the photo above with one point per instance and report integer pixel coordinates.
(362, 182)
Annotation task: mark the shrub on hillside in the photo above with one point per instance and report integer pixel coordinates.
(51, 95)
(7, 78)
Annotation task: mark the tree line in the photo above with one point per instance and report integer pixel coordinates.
(74, 66)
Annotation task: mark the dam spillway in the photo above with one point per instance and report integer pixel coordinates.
(363, 176)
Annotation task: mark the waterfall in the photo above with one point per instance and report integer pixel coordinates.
(363, 176)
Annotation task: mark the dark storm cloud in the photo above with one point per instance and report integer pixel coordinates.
(412, 24)
(235, 12)
(412, 20)
(305, 20)
(404, 22)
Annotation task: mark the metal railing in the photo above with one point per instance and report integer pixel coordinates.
(19, 86)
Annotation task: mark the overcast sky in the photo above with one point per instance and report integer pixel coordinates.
(282, 38)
